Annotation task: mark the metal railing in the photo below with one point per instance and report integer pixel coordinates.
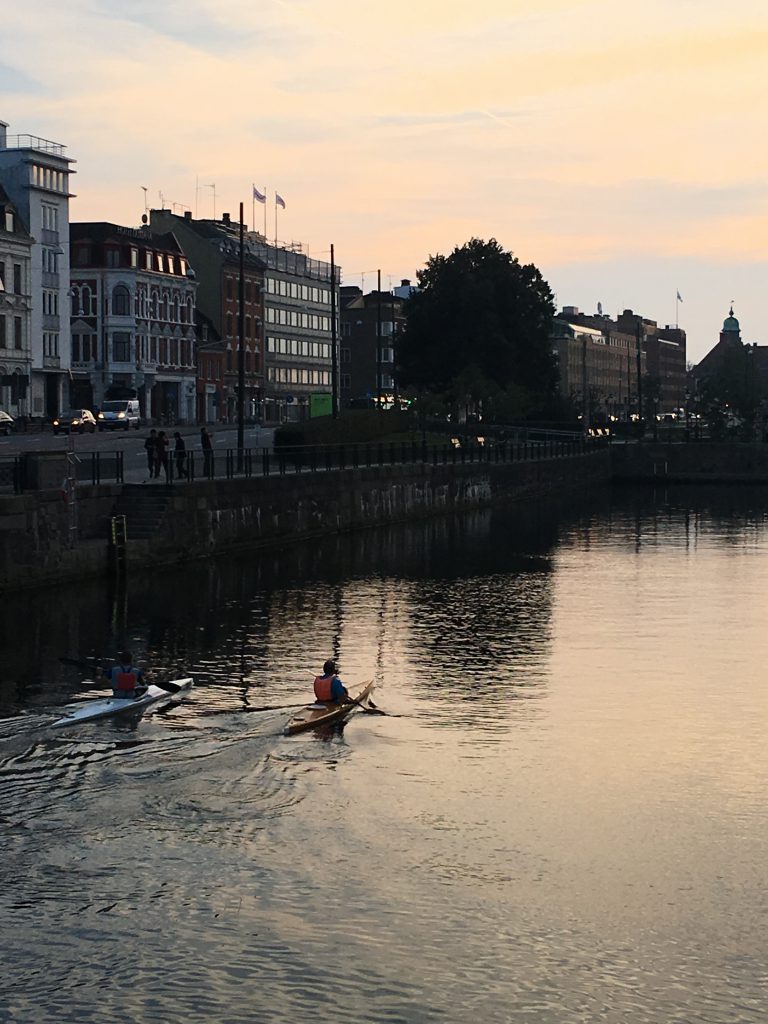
(25, 472)
(231, 463)
(36, 472)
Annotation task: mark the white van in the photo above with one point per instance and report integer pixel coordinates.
(120, 414)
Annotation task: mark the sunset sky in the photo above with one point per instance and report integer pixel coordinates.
(620, 149)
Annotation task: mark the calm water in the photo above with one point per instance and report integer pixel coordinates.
(561, 819)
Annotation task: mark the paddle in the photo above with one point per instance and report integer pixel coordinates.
(370, 710)
(91, 665)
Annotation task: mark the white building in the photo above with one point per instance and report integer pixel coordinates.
(15, 309)
(133, 321)
(35, 174)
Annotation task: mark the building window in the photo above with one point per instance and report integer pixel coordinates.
(17, 278)
(229, 325)
(346, 381)
(17, 327)
(134, 256)
(9, 225)
(2, 330)
(346, 355)
(121, 347)
(113, 257)
(121, 301)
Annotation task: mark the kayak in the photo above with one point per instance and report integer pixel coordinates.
(317, 714)
(155, 696)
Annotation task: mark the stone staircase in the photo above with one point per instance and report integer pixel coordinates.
(145, 510)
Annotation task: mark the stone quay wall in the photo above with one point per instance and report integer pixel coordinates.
(203, 518)
(702, 462)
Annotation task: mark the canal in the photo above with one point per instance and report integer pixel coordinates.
(559, 819)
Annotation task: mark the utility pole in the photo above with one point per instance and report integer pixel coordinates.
(584, 389)
(395, 396)
(334, 343)
(241, 352)
(378, 341)
(638, 336)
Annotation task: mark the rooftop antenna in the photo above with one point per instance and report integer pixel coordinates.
(214, 198)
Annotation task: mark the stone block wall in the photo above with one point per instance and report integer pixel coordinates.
(205, 517)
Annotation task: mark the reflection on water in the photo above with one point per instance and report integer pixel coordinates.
(560, 819)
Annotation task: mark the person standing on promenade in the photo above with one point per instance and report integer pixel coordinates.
(149, 447)
(207, 445)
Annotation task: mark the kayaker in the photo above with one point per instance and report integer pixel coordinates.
(328, 687)
(127, 680)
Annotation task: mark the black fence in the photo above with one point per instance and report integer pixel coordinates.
(249, 462)
(38, 471)
(45, 471)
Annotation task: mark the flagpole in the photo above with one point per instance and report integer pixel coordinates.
(265, 214)
(275, 220)
(253, 207)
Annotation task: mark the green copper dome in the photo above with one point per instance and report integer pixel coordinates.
(731, 323)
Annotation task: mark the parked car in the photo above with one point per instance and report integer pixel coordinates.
(120, 415)
(75, 420)
(7, 423)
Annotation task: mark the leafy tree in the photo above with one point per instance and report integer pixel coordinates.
(478, 331)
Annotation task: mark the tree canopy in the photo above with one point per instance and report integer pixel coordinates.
(479, 326)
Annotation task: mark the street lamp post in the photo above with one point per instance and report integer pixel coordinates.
(241, 352)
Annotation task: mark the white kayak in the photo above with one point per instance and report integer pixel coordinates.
(155, 696)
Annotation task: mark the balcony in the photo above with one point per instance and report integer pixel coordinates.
(34, 142)
(51, 280)
(51, 362)
(51, 322)
(49, 237)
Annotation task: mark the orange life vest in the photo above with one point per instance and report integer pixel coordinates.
(323, 688)
(123, 680)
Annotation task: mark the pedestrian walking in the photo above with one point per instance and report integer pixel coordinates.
(150, 445)
(180, 454)
(207, 445)
(161, 455)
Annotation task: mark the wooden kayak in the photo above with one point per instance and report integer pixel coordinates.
(314, 715)
(155, 696)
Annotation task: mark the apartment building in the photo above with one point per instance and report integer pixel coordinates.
(133, 321)
(35, 175)
(15, 309)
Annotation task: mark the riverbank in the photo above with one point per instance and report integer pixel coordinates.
(42, 541)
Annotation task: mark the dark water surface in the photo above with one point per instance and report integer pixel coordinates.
(562, 818)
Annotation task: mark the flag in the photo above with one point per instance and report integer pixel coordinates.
(259, 196)
(279, 201)
(679, 297)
